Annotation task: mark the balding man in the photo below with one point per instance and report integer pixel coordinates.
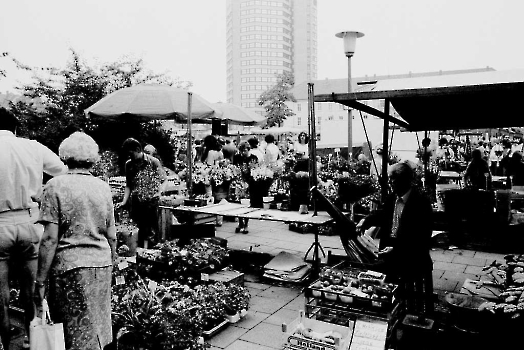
(405, 220)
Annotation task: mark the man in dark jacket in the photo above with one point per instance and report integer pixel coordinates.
(405, 221)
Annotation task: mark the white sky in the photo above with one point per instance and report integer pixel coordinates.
(187, 38)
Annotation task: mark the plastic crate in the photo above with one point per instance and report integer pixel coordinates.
(294, 339)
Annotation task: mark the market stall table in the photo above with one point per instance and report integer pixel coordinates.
(243, 211)
(450, 176)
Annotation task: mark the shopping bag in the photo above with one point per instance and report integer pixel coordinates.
(44, 334)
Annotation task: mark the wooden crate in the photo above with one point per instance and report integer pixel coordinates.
(228, 276)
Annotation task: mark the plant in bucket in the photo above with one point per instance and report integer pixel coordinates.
(261, 179)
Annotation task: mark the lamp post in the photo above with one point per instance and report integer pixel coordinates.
(350, 41)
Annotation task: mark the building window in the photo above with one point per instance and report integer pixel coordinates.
(299, 107)
(299, 120)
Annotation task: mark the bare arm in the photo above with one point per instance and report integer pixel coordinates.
(46, 255)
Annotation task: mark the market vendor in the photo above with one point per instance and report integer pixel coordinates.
(145, 181)
(405, 233)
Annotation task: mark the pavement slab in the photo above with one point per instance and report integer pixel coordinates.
(266, 334)
(266, 305)
(245, 345)
(252, 319)
(227, 336)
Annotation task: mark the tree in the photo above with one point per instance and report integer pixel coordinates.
(58, 98)
(274, 100)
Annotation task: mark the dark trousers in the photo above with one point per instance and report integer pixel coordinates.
(145, 214)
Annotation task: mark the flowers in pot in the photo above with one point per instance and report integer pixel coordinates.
(236, 300)
(261, 179)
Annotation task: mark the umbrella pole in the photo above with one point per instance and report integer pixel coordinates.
(189, 183)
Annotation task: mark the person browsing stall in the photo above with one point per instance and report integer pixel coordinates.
(145, 181)
(22, 164)
(78, 248)
(405, 221)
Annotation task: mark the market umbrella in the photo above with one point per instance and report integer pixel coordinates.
(237, 114)
(146, 102)
(278, 130)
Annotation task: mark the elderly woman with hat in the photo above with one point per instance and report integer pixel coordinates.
(78, 248)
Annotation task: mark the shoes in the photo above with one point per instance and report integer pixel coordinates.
(238, 229)
(244, 230)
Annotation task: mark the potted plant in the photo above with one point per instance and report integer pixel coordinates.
(236, 302)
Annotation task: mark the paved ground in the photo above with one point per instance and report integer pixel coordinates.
(273, 304)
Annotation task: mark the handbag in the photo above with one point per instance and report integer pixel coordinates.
(44, 334)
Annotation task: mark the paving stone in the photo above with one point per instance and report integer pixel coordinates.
(463, 252)
(283, 316)
(227, 336)
(437, 273)
(267, 305)
(252, 319)
(245, 345)
(283, 293)
(447, 266)
(255, 285)
(474, 270)
(296, 304)
(458, 276)
(441, 256)
(490, 256)
(445, 284)
(265, 334)
(469, 261)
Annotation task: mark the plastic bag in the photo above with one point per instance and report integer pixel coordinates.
(44, 334)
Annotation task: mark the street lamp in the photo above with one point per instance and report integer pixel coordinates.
(350, 41)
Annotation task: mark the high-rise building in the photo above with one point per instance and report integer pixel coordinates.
(265, 38)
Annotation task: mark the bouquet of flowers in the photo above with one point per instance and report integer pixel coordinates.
(223, 172)
(201, 174)
(261, 173)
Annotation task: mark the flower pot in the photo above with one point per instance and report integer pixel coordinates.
(233, 318)
(243, 313)
(221, 191)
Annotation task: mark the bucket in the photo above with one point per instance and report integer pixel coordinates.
(503, 205)
(464, 312)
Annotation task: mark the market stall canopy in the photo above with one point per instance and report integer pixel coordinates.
(278, 130)
(462, 101)
(237, 114)
(146, 102)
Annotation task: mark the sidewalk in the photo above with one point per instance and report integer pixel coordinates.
(273, 304)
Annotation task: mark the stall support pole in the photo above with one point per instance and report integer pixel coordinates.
(313, 176)
(385, 154)
(189, 175)
(426, 160)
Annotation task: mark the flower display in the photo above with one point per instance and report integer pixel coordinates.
(223, 172)
(147, 184)
(169, 315)
(201, 174)
(261, 173)
(183, 263)
(354, 187)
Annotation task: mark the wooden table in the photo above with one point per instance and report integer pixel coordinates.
(451, 175)
(243, 211)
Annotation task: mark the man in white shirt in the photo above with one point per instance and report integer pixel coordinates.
(253, 143)
(272, 151)
(23, 163)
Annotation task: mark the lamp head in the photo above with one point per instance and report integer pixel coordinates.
(350, 41)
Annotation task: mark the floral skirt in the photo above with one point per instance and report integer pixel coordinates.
(81, 300)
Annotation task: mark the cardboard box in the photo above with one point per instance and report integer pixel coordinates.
(295, 341)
